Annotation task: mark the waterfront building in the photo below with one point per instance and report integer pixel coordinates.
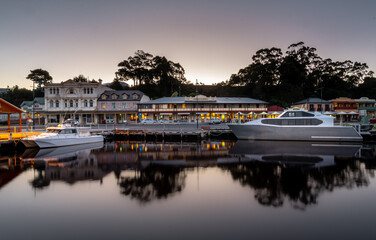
(346, 108)
(185, 109)
(119, 106)
(366, 108)
(314, 105)
(34, 109)
(72, 99)
(273, 111)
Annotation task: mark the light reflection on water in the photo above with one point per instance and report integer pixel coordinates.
(217, 189)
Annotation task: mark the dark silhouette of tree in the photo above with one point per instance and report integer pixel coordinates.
(136, 68)
(284, 79)
(16, 95)
(40, 77)
(80, 78)
(168, 75)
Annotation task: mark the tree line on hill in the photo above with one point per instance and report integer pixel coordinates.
(273, 76)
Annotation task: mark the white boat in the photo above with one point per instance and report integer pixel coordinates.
(62, 135)
(296, 125)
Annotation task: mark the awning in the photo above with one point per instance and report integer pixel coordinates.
(165, 114)
(199, 113)
(183, 113)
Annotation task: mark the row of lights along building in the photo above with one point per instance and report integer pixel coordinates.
(95, 103)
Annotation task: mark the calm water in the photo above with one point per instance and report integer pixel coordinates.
(216, 190)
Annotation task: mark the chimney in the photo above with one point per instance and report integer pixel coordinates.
(100, 81)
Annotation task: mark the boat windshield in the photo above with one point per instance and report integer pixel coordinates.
(297, 114)
(53, 130)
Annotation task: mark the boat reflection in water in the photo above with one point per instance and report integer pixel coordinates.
(297, 172)
(70, 164)
(293, 154)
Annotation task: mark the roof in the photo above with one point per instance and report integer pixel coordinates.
(223, 100)
(120, 93)
(312, 100)
(39, 100)
(343, 99)
(6, 107)
(365, 100)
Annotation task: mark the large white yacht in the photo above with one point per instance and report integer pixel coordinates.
(296, 125)
(62, 135)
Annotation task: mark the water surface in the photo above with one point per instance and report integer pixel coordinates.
(217, 190)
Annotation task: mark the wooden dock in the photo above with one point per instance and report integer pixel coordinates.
(172, 135)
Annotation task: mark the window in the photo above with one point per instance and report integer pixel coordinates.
(71, 103)
(183, 105)
(76, 103)
(125, 96)
(50, 90)
(57, 91)
(91, 103)
(113, 105)
(135, 96)
(104, 97)
(91, 90)
(124, 105)
(224, 106)
(71, 91)
(57, 103)
(114, 96)
(66, 103)
(84, 90)
(54, 90)
(51, 104)
(85, 103)
(240, 106)
(248, 105)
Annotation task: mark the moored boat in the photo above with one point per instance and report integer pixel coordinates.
(62, 135)
(296, 125)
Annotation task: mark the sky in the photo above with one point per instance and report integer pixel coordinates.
(211, 39)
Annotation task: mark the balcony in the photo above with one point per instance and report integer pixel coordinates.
(193, 110)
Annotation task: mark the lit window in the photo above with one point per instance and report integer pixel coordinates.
(183, 105)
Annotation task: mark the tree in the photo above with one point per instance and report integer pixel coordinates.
(80, 78)
(39, 77)
(168, 75)
(16, 95)
(136, 68)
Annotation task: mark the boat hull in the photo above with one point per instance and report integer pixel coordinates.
(60, 142)
(295, 133)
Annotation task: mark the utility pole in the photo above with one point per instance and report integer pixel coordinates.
(32, 106)
(196, 103)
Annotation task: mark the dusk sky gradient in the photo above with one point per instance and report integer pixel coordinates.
(210, 39)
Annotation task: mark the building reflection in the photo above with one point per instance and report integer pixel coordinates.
(10, 168)
(278, 172)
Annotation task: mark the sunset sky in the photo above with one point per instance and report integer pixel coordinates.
(210, 39)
